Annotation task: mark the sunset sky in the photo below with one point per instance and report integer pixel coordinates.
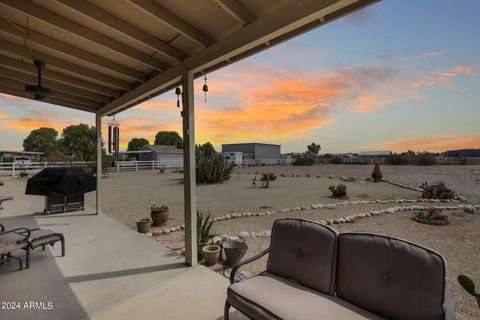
(398, 75)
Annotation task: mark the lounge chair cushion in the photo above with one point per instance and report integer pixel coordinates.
(303, 251)
(11, 241)
(391, 277)
(268, 296)
(40, 237)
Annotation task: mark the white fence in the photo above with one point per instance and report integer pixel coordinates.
(266, 162)
(147, 165)
(15, 168)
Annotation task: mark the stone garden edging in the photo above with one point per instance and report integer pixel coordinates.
(310, 207)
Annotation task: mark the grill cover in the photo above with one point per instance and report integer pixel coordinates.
(61, 182)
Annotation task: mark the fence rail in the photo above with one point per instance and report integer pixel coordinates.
(146, 165)
(15, 168)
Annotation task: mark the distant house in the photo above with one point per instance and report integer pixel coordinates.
(255, 151)
(374, 154)
(161, 153)
(470, 153)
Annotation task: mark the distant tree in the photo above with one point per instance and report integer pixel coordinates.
(314, 148)
(304, 159)
(136, 144)
(79, 142)
(169, 138)
(41, 140)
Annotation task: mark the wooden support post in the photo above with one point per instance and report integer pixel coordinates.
(190, 197)
(98, 126)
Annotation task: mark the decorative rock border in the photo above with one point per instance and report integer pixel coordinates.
(235, 215)
(348, 219)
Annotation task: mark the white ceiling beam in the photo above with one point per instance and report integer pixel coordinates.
(286, 19)
(65, 65)
(60, 87)
(237, 11)
(65, 48)
(166, 17)
(57, 101)
(105, 93)
(39, 13)
(11, 83)
(124, 28)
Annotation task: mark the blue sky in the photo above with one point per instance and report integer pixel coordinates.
(398, 75)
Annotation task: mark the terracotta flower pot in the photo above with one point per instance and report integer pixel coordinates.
(143, 225)
(159, 216)
(211, 253)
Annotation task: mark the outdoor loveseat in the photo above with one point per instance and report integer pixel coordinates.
(314, 273)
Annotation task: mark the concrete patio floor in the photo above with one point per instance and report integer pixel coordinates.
(109, 272)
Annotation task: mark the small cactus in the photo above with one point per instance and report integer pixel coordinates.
(468, 285)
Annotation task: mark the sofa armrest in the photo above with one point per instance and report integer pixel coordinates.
(243, 262)
(449, 309)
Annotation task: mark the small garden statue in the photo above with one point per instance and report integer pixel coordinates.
(339, 191)
(377, 173)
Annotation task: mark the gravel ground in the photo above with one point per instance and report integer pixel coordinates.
(463, 179)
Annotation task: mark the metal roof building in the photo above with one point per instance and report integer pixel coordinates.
(257, 151)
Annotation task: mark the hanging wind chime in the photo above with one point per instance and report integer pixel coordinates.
(114, 137)
(178, 92)
(205, 87)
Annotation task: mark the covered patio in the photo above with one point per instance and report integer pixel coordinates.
(104, 57)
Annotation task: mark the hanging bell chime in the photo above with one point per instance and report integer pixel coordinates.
(178, 92)
(205, 87)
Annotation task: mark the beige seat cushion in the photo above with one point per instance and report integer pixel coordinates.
(11, 241)
(40, 237)
(271, 297)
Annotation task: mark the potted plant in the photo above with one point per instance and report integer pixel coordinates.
(159, 215)
(143, 225)
(234, 251)
(204, 232)
(211, 254)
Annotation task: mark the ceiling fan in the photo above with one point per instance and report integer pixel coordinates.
(38, 92)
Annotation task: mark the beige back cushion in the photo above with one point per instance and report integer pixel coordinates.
(391, 277)
(303, 251)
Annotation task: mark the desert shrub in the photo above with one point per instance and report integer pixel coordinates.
(339, 191)
(437, 191)
(397, 159)
(210, 167)
(336, 160)
(305, 159)
(426, 159)
(432, 216)
(204, 228)
(268, 176)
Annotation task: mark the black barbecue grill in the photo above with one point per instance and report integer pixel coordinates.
(64, 188)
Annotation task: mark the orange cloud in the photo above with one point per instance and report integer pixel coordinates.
(3, 115)
(438, 143)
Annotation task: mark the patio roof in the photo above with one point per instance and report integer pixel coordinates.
(107, 56)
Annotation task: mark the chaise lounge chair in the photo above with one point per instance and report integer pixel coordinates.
(27, 239)
(13, 240)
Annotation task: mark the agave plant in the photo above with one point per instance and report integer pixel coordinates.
(468, 285)
(210, 167)
(204, 228)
